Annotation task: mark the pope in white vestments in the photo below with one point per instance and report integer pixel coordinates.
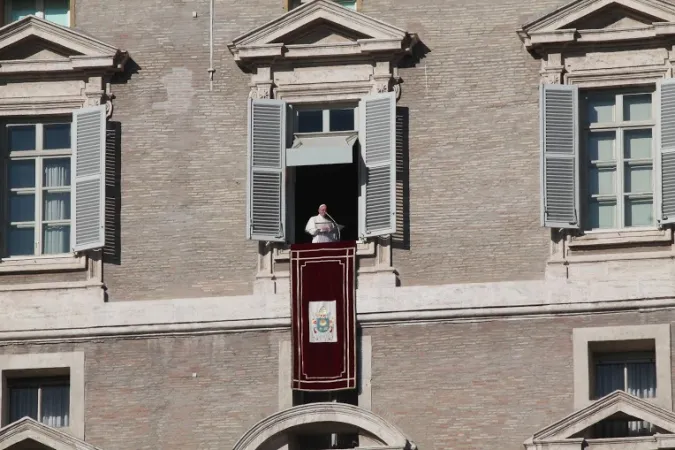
(321, 227)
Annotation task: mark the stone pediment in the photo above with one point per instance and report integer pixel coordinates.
(572, 429)
(595, 21)
(30, 434)
(36, 45)
(321, 28)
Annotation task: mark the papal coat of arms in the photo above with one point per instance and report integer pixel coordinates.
(322, 321)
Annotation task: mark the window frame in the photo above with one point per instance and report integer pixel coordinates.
(39, 155)
(325, 108)
(37, 382)
(624, 359)
(39, 11)
(292, 4)
(45, 364)
(583, 338)
(618, 127)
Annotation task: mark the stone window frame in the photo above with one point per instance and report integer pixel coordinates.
(39, 363)
(582, 338)
(287, 4)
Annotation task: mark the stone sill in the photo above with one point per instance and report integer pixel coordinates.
(620, 238)
(362, 249)
(43, 264)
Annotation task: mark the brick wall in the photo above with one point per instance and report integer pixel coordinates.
(463, 386)
(474, 170)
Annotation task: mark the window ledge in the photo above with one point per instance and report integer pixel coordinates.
(43, 263)
(362, 249)
(625, 237)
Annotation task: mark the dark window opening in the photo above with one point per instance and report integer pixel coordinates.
(46, 400)
(336, 185)
(322, 439)
(620, 428)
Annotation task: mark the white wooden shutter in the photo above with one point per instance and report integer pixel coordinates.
(377, 136)
(667, 150)
(560, 194)
(88, 172)
(266, 212)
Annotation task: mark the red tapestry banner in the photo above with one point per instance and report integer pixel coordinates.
(323, 314)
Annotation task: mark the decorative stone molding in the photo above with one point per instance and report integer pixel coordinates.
(560, 434)
(27, 430)
(276, 425)
(72, 362)
(583, 337)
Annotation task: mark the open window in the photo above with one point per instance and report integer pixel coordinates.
(339, 154)
(53, 202)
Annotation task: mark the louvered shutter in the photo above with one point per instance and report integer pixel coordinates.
(266, 212)
(667, 150)
(560, 156)
(89, 139)
(377, 136)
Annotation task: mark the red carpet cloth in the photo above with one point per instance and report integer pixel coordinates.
(323, 316)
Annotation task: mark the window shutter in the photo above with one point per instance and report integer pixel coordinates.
(377, 136)
(266, 212)
(667, 150)
(559, 106)
(89, 139)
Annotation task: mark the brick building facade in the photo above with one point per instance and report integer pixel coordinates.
(518, 273)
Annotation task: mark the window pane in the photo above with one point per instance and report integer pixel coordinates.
(21, 207)
(637, 107)
(56, 136)
(57, 206)
(351, 4)
(23, 402)
(57, 11)
(56, 239)
(22, 173)
(21, 138)
(638, 144)
(55, 406)
(638, 179)
(601, 146)
(602, 181)
(642, 379)
(21, 8)
(310, 121)
(639, 213)
(601, 109)
(602, 214)
(342, 119)
(21, 242)
(56, 172)
(608, 378)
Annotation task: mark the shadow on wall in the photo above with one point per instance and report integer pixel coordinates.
(112, 252)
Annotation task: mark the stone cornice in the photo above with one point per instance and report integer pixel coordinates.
(271, 43)
(29, 429)
(618, 401)
(554, 28)
(86, 52)
(42, 316)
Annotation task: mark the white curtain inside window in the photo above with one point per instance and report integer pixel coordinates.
(23, 402)
(55, 406)
(56, 206)
(638, 379)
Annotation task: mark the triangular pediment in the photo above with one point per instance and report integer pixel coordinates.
(33, 40)
(577, 16)
(321, 28)
(28, 434)
(615, 405)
